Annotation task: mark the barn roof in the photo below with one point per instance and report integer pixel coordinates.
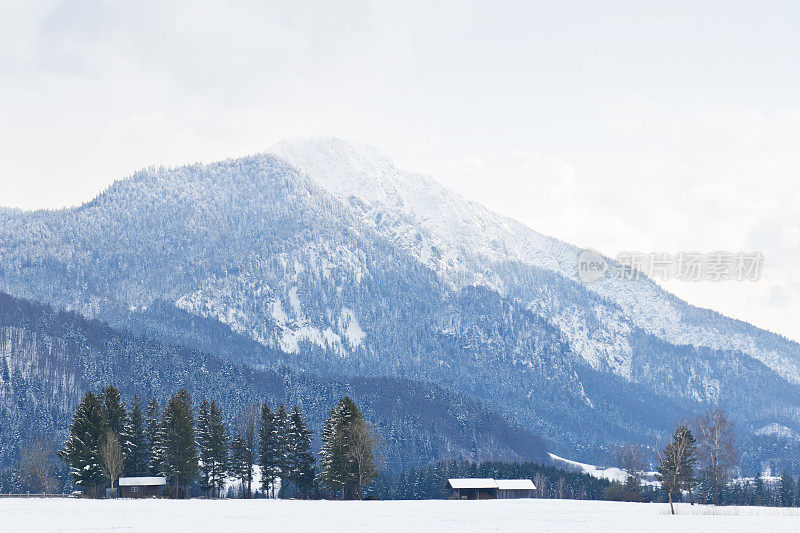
(142, 481)
(515, 484)
(472, 483)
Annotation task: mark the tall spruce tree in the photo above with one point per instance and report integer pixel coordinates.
(204, 446)
(116, 415)
(153, 419)
(347, 456)
(268, 452)
(213, 444)
(676, 469)
(82, 449)
(300, 460)
(177, 442)
(138, 458)
(786, 490)
(240, 463)
(280, 430)
(247, 421)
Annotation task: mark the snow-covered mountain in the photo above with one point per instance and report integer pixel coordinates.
(466, 244)
(342, 264)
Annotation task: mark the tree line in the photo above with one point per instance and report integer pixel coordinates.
(196, 450)
(430, 482)
(698, 463)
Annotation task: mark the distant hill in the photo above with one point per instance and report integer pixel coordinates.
(49, 358)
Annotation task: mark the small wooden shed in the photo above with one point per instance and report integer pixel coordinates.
(515, 488)
(472, 488)
(142, 487)
(489, 489)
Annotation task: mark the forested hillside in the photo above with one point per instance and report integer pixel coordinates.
(48, 358)
(328, 260)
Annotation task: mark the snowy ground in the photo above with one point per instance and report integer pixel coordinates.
(33, 515)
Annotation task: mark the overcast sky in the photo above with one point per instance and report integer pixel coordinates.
(644, 126)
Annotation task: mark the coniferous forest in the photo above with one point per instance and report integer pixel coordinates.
(268, 452)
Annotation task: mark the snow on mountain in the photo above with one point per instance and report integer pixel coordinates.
(336, 262)
(465, 243)
(612, 473)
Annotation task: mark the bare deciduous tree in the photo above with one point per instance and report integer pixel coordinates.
(630, 458)
(560, 488)
(36, 464)
(540, 482)
(112, 458)
(363, 444)
(716, 448)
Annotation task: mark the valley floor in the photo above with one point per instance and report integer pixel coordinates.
(67, 514)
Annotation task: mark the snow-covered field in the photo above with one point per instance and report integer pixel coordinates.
(29, 515)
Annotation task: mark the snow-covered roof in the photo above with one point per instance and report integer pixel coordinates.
(142, 481)
(515, 484)
(472, 483)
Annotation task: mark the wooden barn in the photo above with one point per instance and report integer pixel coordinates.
(515, 488)
(472, 489)
(142, 487)
(489, 489)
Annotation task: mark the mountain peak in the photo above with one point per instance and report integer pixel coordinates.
(345, 169)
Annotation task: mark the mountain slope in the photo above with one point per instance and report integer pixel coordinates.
(48, 359)
(467, 244)
(335, 262)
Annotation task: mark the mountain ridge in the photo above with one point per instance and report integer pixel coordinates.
(404, 280)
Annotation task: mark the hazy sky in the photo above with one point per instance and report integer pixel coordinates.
(646, 126)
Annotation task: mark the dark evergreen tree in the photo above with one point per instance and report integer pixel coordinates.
(676, 468)
(247, 421)
(81, 452)
(688, 477)
(116, 415)
(268, 452)
(239, 461)
(280, 430)
(219, 446)
(347, 456)
(300, 460)
(177, 443)
(153, 433)
(786, 490)
(760, 492)
(203, 446)
(138, 458)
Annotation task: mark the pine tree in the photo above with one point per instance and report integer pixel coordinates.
(300, 460)
(137, 460)
(688, 479)
(333, 464)
(153, 434)
(280, 430)
(248, 422)
(676, 469)
(239, 462)
(177, 442)
(786, 490)
(204, 446)
(218, 447)
(347, 456)
(116, 415)
(760, 492)
(82, 449)
(268, 450)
